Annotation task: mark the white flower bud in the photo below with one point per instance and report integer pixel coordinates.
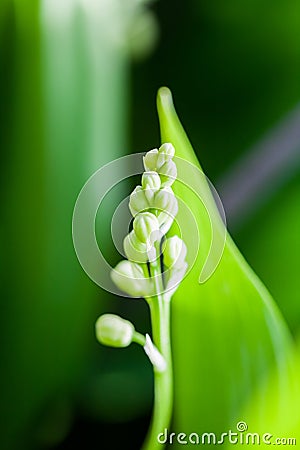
(174, 252)
(165, 153)
(137, 251)
(156, 358)
(150, 184)
(145, 226)
(129, 277)
(165, 201)
(168, 173)
(150, 160)
(151, 180)
(138, 201)
(114, 331)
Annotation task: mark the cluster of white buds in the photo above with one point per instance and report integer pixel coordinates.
(153, 206)
(156, 193)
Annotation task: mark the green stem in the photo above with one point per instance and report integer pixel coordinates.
(139, 338)
(163, 381)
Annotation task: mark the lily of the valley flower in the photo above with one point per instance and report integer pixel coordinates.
(147, 273)
(174, 252)
(151, 184)
(138, 201)
(130, 278)
(168, 173)
(137, 251)
(155, 159)
(154, 207)
(145, 226)
(114, 331)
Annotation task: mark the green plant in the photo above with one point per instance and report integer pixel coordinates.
(229, 339)
(154, 268)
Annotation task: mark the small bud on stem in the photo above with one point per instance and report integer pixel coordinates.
(114, 331)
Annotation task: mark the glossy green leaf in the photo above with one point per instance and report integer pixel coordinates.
(229, 339)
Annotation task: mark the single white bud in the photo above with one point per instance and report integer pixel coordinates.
(165, 201)
(165, 153)
(114, 331)
(138, 201)
(150, 160)
(145, 226)
(150, 184)
(151, 180)
(168, 173)
(156, 358)
(129, 277)
(138, 251)
(174, 252)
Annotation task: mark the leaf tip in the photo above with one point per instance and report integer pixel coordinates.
(164, 98)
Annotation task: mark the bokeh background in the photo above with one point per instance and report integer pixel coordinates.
(78, 81)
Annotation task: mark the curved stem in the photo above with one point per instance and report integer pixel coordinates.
(139, 338)
(163, 381)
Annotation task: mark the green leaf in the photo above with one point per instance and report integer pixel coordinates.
(64, 106)
(229, 337)
(272, 231)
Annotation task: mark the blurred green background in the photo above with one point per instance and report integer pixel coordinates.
(78, 81)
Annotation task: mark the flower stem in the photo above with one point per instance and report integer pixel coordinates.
(163, 381)
(138, 338)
